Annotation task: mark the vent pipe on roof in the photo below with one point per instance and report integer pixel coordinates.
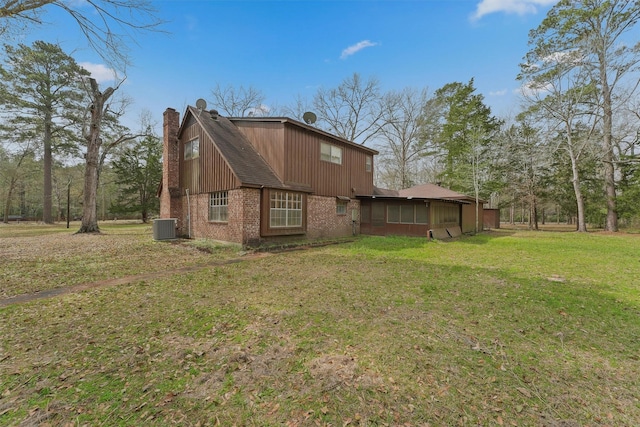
(214, 114)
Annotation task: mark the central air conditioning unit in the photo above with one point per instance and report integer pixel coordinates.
(164, 229)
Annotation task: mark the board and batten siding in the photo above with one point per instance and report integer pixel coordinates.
(208, 172)
(304, 165)
(293, 153)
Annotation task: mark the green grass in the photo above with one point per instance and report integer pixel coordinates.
(504, 328)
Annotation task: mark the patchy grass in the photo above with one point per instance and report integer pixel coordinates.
(503, 328)
(38, 257)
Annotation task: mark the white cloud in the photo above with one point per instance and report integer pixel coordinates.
(100, 72)
(356, 48)
(502, 92)
(519, 7)
(533, 90)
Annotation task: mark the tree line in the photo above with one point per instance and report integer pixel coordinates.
(570, 152)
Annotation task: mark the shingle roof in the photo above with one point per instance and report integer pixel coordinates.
(424, 191)
(245, 162)
(431, 191)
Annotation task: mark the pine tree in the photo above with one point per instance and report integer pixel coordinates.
(43, 101)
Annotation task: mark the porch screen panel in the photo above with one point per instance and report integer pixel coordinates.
(407, 214)
(377, 214)
(365, 214)
(393, 214)
(422, 214)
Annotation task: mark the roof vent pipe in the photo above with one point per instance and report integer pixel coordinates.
(214, 114)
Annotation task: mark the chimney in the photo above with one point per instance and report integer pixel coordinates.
(214, 114)
(170, 203)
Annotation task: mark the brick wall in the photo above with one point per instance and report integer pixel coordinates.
(170, 203)
(322, 220)
(243, 225)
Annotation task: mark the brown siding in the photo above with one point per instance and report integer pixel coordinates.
(491, 218)
(294, 155)
(207, 173)
(303, 165)
(469, 218)
(265, 228)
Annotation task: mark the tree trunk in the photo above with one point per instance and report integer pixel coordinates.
(7, 205)
(47, 203)
(94, 142)
(607, 147)
(581, 226)
(89, 211)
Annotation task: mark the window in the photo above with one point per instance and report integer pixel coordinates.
(330, 153)
(368, 164)
(285, 209)
(218, 206)
(407, 214)
(341, 207)
(192, 149)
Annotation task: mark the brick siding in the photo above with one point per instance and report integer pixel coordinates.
(243, 225)
(323, 221)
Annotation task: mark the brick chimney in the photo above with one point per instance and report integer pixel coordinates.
(170, 203)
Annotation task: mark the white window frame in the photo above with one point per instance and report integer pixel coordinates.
(285, 209)
(219, 206)
(330, 153)
(192, 149)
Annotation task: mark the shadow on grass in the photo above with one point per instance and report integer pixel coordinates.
(399, 243)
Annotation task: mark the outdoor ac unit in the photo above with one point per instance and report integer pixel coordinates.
(164, 229)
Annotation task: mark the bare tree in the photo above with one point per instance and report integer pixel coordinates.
(99, 110)
(352, 110)
(564, 101)
(109, 26)
(296, 110)
(239, 102)
(399, 138)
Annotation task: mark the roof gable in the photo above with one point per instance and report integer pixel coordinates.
(243, 160)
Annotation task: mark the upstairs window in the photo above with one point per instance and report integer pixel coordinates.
(368, 164)
(218, 206)
(330, 153)
(192, 149)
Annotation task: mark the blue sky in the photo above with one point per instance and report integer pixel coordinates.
(290, 48)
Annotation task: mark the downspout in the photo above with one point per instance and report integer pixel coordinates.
(188, 214)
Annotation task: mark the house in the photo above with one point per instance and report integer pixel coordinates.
(255, 179)
(248, 180)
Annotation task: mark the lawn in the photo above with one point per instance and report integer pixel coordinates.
(505, 328)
